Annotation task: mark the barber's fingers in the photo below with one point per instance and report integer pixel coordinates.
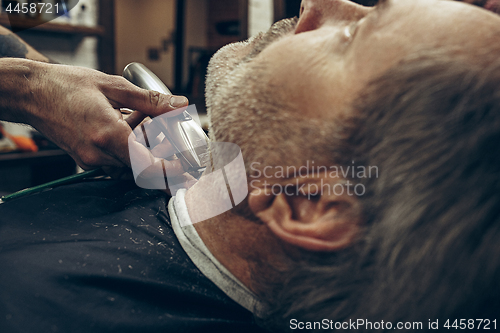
(154, 140)
(110, 144)
(149, 134)
(126, 150)
(135, 118)
(114, 143)
(122, 93)
(163, 149)
(106, 145)
(93, 157)
(152, 161)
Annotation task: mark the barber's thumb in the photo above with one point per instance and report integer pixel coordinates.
(161, 103)
(178, 102)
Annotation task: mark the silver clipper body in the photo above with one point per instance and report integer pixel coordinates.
(183, 132)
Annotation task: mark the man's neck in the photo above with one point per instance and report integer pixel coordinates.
(244, 247)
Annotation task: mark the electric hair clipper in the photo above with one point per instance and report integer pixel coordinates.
(183, 132)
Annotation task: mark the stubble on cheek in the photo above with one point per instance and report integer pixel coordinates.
(246, 107)
(230, 57)
(231, 78)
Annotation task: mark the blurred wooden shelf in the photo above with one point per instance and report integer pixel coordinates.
(50, 27)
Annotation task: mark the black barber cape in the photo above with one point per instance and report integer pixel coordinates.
(101, 256)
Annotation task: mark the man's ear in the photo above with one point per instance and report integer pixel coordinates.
(325, 222)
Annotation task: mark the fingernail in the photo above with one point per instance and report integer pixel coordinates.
(178, 101)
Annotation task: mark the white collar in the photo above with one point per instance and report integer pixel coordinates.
(201, 256)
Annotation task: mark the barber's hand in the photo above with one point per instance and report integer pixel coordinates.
(78, 109)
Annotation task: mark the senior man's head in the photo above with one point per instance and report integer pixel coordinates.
(410, 88)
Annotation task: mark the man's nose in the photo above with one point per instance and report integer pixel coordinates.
(315, 13)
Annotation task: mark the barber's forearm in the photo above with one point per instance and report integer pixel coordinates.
(18, 73)
(14, 47)
(18, 88)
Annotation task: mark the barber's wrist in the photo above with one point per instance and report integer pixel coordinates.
(17, 88)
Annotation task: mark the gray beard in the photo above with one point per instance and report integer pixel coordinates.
(244, 109)
(230, 66)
